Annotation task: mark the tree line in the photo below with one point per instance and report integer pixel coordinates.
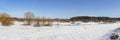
(31, 19)
(94, 19)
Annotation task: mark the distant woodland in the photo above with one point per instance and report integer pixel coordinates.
(81, 18)
(94, 19)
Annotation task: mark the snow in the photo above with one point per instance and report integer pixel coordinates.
(79, 22)
(77, 32)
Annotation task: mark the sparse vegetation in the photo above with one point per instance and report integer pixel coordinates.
(37, 24)
(5, 19)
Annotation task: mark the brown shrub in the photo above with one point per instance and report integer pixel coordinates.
(5, 19)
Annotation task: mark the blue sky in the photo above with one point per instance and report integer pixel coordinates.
(61, 8)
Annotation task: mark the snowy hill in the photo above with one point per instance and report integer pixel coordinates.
(76, 32)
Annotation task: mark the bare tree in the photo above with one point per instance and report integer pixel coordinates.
(29, 16)
(37, 24)
(43, 21)
(49, 22)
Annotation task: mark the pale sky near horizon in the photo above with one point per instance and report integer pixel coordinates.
(61, 8)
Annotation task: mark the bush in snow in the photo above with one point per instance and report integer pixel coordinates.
(5, 19)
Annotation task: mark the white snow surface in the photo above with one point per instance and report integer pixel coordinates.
(57, 32)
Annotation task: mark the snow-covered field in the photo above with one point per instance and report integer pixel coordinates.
(83, 31)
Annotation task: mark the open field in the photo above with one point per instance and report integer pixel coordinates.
(83, 31)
